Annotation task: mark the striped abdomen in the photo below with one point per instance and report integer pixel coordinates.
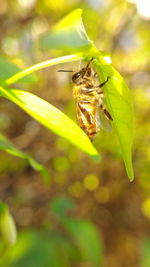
(87, 117)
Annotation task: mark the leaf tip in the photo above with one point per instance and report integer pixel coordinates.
(97, 157)
(130, 173)
(131, 178)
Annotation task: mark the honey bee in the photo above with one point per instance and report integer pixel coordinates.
(89, 100)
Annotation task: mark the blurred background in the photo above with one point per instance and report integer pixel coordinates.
(84, 217)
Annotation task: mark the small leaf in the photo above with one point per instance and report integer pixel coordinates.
(7, 69)
(86, 239)
(68, 35)
(7, 226)
(7, 146)
(52, 118)
(119, 103)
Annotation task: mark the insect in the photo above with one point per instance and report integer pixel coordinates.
(89, 101)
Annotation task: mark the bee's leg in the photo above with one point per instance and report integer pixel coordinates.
(107, 114)
(102, 84)
(89, 63)
(86, 69)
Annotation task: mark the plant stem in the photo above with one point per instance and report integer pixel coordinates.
(41, 65)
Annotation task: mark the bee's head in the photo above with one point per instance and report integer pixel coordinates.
(81, 74)
(77, 76)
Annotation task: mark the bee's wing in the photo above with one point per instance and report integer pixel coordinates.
(104, 123)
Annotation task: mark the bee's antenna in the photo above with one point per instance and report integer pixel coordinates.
(65, 71)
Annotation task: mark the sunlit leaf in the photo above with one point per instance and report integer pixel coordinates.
(119, 103)
(52, 118)
(68, 34)
(7, 146)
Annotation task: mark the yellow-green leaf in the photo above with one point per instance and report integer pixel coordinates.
(68, 34)
(52, 118)
(119, 103)
(7, 226)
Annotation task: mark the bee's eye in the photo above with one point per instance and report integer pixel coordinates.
(76, 76)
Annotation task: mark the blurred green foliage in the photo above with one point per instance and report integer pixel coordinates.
(119, 210)
(70, 245)
(6, 145)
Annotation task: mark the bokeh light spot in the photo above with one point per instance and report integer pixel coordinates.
(27, 3)
(143, 8)
(91, 182)
(108, 59)
(145, 207)
(10, 46)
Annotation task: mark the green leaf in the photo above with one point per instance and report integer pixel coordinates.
(68, 34)
(7, 69)
(7, 225)
(119, 103)
(86, 239)
(7, 146)
(52, 118)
